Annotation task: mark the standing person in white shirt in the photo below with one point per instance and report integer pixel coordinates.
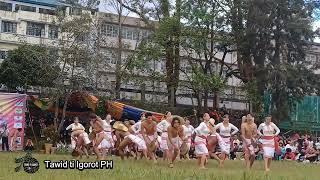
(226, 130)
(74, 127)
(108, 131)
(162, 127)
(269, 131)
(203, 131)
(188, 130)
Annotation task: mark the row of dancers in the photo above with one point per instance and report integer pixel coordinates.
(173, 135)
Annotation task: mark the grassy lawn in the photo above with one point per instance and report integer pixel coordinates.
(130, 169)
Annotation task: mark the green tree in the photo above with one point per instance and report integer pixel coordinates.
(29, 65)
(167, 34)
(271, 38)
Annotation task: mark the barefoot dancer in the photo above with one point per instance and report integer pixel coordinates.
(150, 136)
(248, 134)
(213, 140)
(188, 130)
(162, 127)
(74, 127)
(270, 130)
(82, 142)
(202, 132)
(124, 139)
(101, 140)
(175, 135)
(136, 130)
(226, 130)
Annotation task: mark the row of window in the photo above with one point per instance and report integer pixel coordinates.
(111, 30)
(18, 7)
(38, 30)
(33, 29)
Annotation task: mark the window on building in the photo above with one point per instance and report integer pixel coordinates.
(127, 33)
(81, 37)
(103, 29)
(53, 32)
(313, 58)
(112, 30)
(110, 58)
(3, 54)
(25, 8)
(35, 29)
(5, 6)
(75, 11)
(144, 33)
(8, 27)
(46, 11)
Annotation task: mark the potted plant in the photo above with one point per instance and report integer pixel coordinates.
(51, 136)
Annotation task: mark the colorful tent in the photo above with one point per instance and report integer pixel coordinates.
(78, 103)
(121, 111)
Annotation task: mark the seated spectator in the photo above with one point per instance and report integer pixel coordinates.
(280, 152)
(29, 145)
(311, 154)
(290, 151)
(234, 150)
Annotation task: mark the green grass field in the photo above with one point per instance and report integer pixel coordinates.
(142, 169)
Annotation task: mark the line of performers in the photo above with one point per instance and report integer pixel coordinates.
(173, 135)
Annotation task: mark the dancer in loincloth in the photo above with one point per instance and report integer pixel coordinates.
(125, 139)
(249, 134)
(175, 135)
(74, 127)
(188, 130)
(226, 130)
(202, 132)
(150, 136)
(269, 131)
(213, 140)
(136, 130)
(101, 140)
(82, 142)
(162, 127)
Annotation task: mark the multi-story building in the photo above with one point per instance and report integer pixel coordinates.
(30, 21)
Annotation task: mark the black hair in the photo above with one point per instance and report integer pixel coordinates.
(175, 119)
(148, 114)
(92, 115)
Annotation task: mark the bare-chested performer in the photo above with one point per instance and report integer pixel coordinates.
(136, 130)
(249, 134)
(101, 139)
(82, 142)
(150, 136)
(175, 135)
(125, 139)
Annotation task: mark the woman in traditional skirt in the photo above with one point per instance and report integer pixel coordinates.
(162, 128)
(226, 130)
(269, 131)
(188, 130)
(202, 131)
